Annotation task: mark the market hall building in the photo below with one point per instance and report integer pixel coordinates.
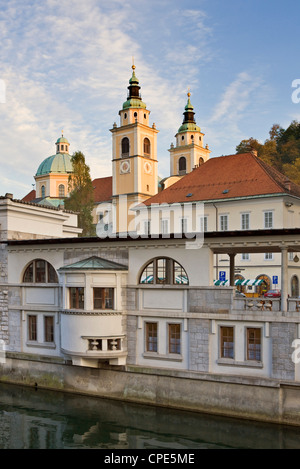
(144, 312)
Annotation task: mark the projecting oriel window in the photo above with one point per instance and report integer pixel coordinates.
(103, 298)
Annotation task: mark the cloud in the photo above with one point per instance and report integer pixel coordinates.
(66, 65)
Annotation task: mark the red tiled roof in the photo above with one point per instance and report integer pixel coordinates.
(227, 177)
(30, 196)
(102, 189)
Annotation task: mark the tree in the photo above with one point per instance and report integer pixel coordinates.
(281, 150)
(81, 196)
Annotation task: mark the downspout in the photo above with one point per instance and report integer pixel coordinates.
(217, 256)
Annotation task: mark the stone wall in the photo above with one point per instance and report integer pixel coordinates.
(199, 344)
(4, 329)
(210, 299)
(283, 335)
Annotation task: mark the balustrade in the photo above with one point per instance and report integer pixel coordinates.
(103, 344)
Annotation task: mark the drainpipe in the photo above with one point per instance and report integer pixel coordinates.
(217, 256)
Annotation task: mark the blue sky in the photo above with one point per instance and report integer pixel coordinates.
(66, 65)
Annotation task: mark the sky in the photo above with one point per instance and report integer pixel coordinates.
(65, 66)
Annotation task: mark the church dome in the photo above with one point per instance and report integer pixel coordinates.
(58, 163)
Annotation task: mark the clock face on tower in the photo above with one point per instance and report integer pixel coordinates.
(148, 167)
(125, 167)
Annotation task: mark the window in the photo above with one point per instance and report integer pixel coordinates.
(183, 225)
(253, 344)
(245, 221)
(40, 271)
(32, 328)
(147, 227)
(174, 338)
(146, 146)
(203, 224)
(182, 165)
(268, 219)
(77, 297)
(125, 147)
(165, 226)
(164, 271)
(151, 337)
(245, 256)
(227, 342)
(201, 160)
(268, 256)
(43, 191)
(103, 298)
(61, 190)
(224, 222)
(49, 328)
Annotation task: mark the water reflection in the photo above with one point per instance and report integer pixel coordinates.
(48, 420)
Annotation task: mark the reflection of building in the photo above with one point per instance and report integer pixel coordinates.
(151, 303)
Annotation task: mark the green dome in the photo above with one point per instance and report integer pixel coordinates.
(190, 126)
(134, 103)
(58, 163)
(62, 140)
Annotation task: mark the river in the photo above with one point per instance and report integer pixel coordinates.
(42, 419)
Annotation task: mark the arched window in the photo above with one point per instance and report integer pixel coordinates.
(125, 147)
(238, 279)
(182, 165)
(295, 286)
(43, 191)
(164, 270)
(201, 161)
(264, 284)
(61, 190)
(40, 271)
(146, 146)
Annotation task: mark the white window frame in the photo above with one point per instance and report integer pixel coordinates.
(245, 217)
(268, 223)
(164, 226)
(245, 256)
(269, 256)
(224, 221)
(203, 224)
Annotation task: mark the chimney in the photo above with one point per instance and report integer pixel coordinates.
(287, 184)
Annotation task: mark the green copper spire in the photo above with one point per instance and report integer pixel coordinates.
(189, 122)
(134, 98)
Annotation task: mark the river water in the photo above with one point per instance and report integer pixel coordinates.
(42, 419)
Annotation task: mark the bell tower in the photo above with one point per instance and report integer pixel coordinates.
(189, 152)
(134, 157)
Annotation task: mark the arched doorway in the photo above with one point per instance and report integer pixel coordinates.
(264, 285)
(238, 279)
(295, 286)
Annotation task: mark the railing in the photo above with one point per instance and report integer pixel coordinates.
(104, 344)
(257, 304)
(293, 304)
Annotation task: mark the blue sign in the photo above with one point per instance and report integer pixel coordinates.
(275, 279)
(222, 276)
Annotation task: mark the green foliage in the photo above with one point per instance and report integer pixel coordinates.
(281, 150)
(81, 197)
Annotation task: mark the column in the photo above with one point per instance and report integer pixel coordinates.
(231, 269)
(284, 278)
